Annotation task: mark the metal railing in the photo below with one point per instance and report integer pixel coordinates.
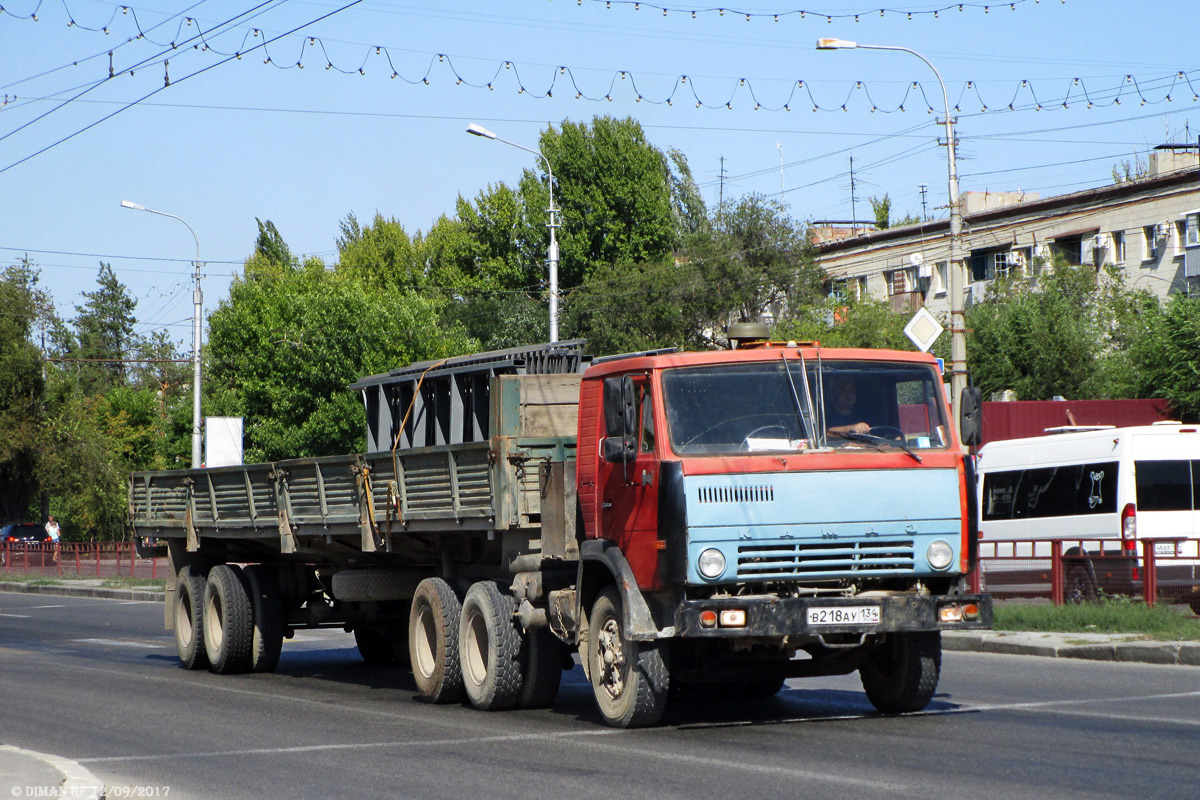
(1158, 570)
(79, 560)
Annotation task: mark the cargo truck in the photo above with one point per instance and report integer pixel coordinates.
(691, 524)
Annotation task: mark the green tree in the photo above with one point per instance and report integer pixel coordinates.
(104, 329)
(614, 190)
(283, 348)
(1063, 330)
(841, 322)
(1165, 355)
(381, 252)
(755, 260)
(21, 393)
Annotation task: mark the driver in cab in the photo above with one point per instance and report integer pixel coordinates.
(842, 414)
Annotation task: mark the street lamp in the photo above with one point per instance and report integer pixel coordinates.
(552, 255)
(958, 342)
(198, 302)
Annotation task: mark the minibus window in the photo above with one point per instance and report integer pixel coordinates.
(1163, 485)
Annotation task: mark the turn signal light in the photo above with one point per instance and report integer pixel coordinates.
(708, 619)
(970, 611)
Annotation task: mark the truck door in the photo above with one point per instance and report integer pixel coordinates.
(629, 490)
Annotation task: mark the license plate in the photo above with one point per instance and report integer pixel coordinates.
(1164, 548)
(844, 615)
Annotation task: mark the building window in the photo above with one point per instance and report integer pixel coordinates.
(1070, 248)
(1149, 244)
(847, 289)
(1180, 234)
(939, 278)
(1191, 235)
(898, 281)
(1000, 265)
(1118, 245)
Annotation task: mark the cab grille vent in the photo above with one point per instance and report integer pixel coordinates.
(737, 494)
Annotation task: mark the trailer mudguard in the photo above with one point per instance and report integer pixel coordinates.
(601, 562)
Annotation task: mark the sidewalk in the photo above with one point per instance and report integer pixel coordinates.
(1090, 646)
(82, 587)
(24, 773)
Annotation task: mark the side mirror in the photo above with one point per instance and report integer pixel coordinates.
(970, 416)
(619, 450)
(620, 420)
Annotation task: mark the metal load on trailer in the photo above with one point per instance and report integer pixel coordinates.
(683, 519)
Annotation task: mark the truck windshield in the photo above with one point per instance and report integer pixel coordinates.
(751, 407)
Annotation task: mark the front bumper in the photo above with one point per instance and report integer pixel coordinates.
(767, 616)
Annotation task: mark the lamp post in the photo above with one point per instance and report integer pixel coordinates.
(197, 302)
(552, 254)
(958, 342)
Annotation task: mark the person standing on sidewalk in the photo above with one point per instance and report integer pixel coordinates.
(55, 534)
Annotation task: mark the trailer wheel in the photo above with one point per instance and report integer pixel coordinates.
(228, 621)
(489, 646)
(629, 678)
(433, 641)
(189, 618)
(542, 666)
(902, 674)
(266, 609)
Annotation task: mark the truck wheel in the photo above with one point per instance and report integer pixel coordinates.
(630, 679)
(189, 618)
(266, 609)
(902, 674)
(228, 621)
(433, 641)
(542, 665)
(489, 646)
(382, 645)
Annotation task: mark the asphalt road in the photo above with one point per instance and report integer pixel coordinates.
(97, 681)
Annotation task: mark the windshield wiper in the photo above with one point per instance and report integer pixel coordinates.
(809, 430)
(878, 441)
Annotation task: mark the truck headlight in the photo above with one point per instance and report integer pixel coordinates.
(939, 554)
(711, 563)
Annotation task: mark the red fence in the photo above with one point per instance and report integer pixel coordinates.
(1164, 570)
(79, 560)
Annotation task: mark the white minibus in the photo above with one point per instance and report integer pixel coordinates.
(1098, 491)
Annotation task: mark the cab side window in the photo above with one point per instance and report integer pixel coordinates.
(646, 415)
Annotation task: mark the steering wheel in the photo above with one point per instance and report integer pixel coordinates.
(888, 432)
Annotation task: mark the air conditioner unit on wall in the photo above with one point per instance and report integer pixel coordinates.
(1162, 230)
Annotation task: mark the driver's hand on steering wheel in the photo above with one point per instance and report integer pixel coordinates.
(857, 427)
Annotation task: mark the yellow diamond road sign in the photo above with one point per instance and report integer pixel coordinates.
(923, 330)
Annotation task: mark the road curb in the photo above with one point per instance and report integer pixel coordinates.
(61, 590)
(76, 780)
(1118, 647)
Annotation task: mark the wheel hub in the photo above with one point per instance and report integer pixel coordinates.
(612, 658)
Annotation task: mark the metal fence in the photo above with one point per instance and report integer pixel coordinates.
(79, 560)
(1162, 570)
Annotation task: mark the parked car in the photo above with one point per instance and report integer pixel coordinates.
(21, 534)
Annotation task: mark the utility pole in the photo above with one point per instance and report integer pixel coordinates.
(721, 194)
(779, 147)
(853, 200)
(924, 187)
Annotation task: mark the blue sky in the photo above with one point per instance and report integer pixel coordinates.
(233, 139)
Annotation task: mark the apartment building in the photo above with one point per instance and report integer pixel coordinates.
(1149, 227)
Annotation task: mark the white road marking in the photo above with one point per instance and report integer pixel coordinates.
(122, 643)
(17, 616)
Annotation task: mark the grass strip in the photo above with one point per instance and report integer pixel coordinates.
(1109, 615)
